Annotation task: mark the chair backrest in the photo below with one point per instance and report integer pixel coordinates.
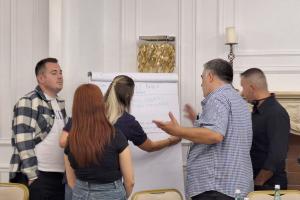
(269, 195)
(160, 194)
(13, 191)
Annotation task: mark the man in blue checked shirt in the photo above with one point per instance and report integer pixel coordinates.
(219, 158)
(39, 117)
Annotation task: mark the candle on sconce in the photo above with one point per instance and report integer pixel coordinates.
(231, 35)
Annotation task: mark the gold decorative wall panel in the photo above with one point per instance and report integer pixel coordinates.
(156, 56)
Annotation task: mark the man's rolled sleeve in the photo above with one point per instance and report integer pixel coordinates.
(278, 128)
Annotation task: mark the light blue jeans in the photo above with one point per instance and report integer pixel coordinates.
(93, 191)
(68, 192)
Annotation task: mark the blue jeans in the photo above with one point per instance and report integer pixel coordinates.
(68, 192)
(93, 191)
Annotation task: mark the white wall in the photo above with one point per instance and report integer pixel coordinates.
(23, 41)
(269, 39)
(101, 35)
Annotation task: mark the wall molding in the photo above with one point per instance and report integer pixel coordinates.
(178, 41)
(55, 28)
(228, 12)
(196, 46)
(5, 146)
(5, 142)
(123, 32)
(4, 167)
(273, 69)
(225, 7)
(13, 31)
(138, 20)
(197, 50)
(128, 34)
(288, 52)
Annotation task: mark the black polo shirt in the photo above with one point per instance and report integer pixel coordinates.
(271, 128)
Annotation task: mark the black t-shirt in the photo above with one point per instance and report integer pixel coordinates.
(68, 126)
(271, 128)
(108, 169)
(131, 129)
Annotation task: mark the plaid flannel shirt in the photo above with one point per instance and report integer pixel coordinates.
(32, 121)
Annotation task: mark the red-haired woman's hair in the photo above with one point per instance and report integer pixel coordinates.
(91, 131)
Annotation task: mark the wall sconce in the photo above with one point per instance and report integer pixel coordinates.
(231, 40)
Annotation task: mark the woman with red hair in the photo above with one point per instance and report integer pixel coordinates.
(97, 155)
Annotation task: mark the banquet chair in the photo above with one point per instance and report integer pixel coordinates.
(13, 191)
(159, 194)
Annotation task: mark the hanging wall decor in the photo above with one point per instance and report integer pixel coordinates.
(156, 54)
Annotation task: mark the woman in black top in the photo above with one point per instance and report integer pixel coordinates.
(97, 155)
(118, 99)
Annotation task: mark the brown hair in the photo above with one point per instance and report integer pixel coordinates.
(91, 131)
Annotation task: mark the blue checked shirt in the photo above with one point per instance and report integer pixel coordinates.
(225, 166)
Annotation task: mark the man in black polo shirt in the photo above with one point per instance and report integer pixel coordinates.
(271, 128)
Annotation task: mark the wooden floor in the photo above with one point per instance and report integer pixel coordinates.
(292, 165)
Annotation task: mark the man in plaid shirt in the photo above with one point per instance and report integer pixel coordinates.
(38, 119)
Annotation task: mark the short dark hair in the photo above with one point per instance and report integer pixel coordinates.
(221, 68)
(257, 77)
(40, 66)
(252, 71)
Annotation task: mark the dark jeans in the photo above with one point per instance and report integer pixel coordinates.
(48, 186)
(212, 195)
(270, 184)
(279, 178)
